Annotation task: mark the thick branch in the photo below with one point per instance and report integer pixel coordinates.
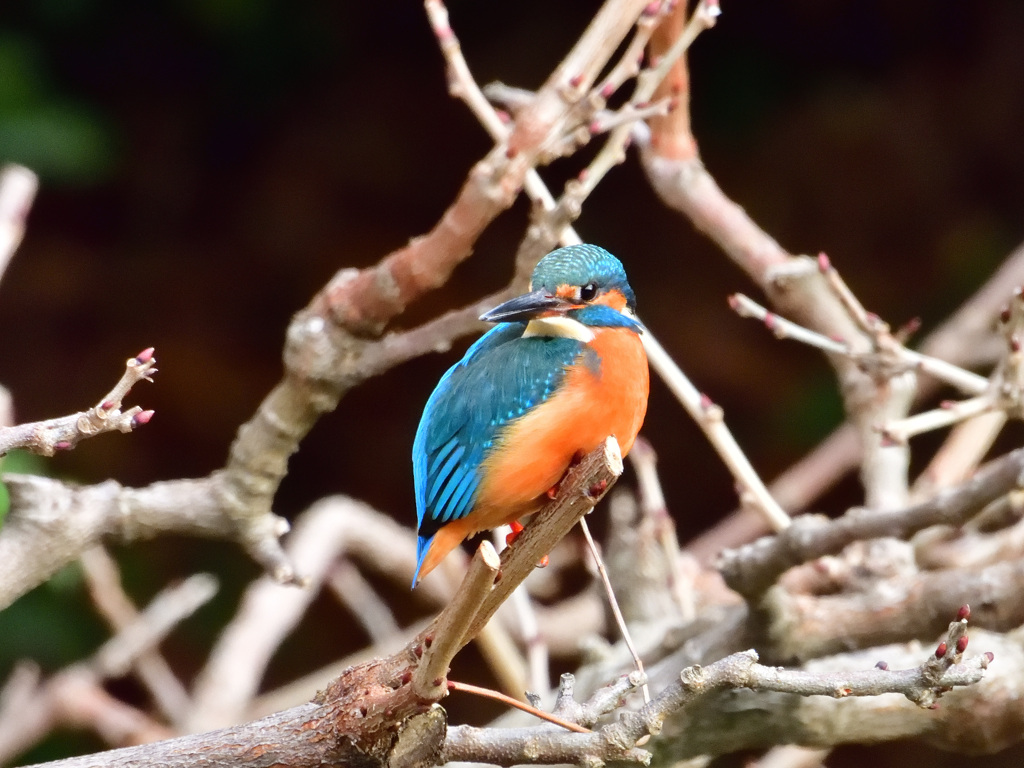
(50, 523)
(802, 626)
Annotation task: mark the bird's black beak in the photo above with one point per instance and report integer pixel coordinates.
(527, 307)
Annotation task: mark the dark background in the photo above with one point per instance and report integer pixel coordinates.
(207, 165)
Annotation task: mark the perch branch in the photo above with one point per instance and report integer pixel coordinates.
(440, 647)
(582, 488)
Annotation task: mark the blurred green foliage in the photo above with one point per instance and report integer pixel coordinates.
(63, 139)
(18, 463)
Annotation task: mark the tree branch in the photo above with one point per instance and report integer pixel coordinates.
(751, 569)
(64, 433)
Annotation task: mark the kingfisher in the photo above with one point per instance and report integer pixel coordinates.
(563, 369)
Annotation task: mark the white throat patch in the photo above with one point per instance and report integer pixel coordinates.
(559, 325)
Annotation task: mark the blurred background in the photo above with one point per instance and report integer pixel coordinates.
(207, 165)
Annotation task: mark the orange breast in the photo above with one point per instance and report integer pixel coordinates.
(592, 404)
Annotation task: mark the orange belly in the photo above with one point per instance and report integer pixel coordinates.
(536, 450)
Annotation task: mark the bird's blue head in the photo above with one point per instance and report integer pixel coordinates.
(584, 272)
(581, 281)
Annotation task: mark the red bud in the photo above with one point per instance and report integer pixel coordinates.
(142, 417)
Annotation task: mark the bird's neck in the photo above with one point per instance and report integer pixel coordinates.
(559, 326)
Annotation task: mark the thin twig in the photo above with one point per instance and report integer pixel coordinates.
(103, 579)
(509, 701)
(64, 433)
(710, 419)
(614, 605)
(966, 381)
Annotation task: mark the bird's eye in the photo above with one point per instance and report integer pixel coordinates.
(588, 292)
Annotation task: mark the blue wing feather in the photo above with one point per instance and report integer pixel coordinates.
(501, 377)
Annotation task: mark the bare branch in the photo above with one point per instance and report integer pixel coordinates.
(50, 523)
(63, 434)
(711, 419)
(18, 187)
(751, 569)
(922, 685)
(441, 645)
(75, 696)
(965, 380)
(360, 598)
(888, 610)
(103, 581)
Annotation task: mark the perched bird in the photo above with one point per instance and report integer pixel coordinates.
(562, 370)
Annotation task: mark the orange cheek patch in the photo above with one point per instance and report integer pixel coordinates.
(566, 292)
(614, 299)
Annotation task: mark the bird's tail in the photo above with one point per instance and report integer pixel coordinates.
(422, 548)
(431, 550)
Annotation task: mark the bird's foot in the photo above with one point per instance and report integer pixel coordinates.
(512, 535)
(552, 492)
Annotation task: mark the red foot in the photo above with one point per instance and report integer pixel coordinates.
(552, 492)
(517, 528)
